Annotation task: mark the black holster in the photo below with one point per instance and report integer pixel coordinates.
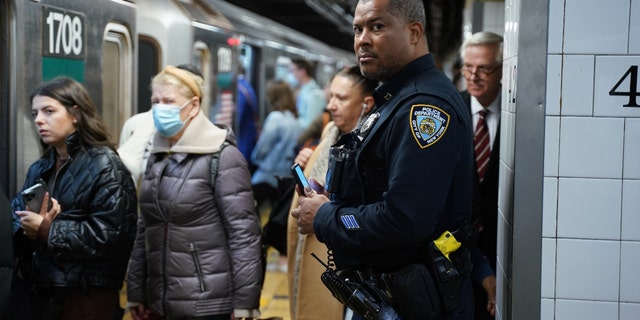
(415, 293)
(449, 273)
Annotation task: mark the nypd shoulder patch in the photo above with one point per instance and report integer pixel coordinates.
(428, 124)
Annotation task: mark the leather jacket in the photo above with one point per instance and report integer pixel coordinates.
(90, 241)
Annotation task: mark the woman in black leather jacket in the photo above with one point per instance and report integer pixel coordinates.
(76, 253)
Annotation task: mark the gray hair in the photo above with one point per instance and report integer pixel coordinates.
(483, 38)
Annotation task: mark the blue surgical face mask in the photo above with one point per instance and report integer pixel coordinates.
(291, 80)
(166, 118)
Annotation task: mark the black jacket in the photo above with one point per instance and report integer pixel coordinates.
(411, 179)
(485, 198)
(90, 240)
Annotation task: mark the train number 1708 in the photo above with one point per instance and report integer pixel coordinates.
(64, 33)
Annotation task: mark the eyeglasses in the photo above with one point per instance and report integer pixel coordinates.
(481, 72)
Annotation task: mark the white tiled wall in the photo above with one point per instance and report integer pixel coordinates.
(591, 218)
(630, 211)
(596, 26)
(630, 169)
(577, 83)
(591, 147)
(589, 208)
(591, 187)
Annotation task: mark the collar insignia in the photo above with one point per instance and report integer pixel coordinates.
(367, 124)
(428, 124)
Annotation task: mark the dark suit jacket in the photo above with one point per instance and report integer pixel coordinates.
(485, 198)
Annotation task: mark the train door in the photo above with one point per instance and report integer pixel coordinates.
(117, 78)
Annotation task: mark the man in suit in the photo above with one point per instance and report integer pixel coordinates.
(482, 70)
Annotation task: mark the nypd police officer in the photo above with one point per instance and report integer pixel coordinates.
(404, 177)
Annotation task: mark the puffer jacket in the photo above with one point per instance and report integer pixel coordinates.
(197, 251)
(91, 239)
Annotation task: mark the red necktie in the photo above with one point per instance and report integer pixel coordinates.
(481, 143)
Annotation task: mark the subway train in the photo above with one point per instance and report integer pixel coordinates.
(114, 47)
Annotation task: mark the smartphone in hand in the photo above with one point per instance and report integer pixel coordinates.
(34, 196)
(299, 176)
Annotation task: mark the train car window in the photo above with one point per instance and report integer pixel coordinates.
(148, 66)
(248, 60)
(202, 60)
(117, 96)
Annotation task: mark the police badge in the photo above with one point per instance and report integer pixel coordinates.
(428, 124)
(367, 124)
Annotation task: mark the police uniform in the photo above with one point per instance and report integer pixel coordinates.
(405, 176)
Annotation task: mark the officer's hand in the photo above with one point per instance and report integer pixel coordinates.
(306, 210)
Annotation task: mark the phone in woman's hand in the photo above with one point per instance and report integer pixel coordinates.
(34, 196)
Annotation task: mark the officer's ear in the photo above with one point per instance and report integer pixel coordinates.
(368, 104)
(417, 32)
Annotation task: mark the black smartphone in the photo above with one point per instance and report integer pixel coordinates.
(34, 196)
(299, 176)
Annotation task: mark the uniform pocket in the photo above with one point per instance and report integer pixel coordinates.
(415, 293)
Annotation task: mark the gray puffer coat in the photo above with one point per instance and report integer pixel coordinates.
(197, 251)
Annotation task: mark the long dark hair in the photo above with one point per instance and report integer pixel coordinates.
(280, 96)
(74, 97)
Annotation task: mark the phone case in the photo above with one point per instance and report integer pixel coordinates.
(34, 196)
(299, 176)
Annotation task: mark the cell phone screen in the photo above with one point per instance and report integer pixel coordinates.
(299, 176)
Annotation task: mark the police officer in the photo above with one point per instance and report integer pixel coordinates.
(404, 177)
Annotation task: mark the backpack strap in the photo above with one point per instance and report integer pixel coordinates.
(215, 157)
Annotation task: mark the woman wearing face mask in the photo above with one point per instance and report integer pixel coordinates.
(350, 101)
(197, 253)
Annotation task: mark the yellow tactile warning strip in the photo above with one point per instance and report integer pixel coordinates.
(274, 301)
